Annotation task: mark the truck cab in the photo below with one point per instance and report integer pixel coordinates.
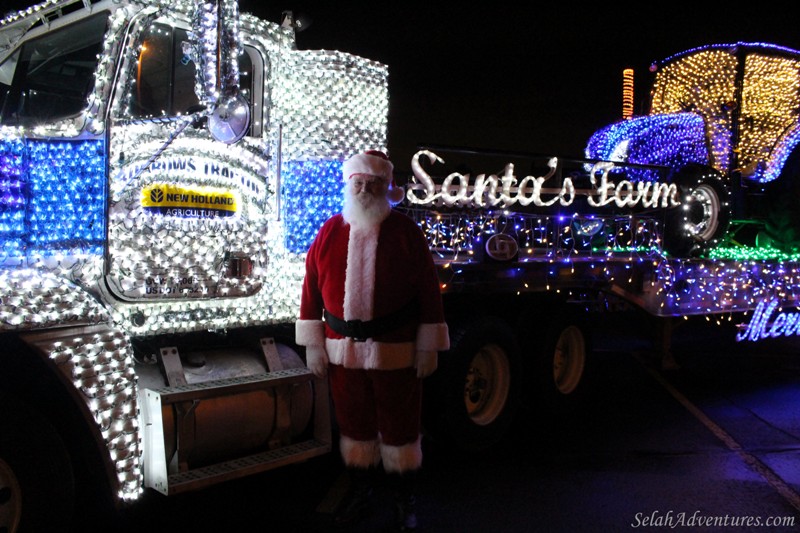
(163, 168)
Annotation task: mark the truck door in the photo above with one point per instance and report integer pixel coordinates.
(187, 216)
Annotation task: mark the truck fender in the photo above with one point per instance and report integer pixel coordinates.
(36, 300)
(94, 365)
(56, 323)
(62, 325)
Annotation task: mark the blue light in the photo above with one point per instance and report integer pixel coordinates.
(52, 197)
(672, 140)
(312, 193)
(729, 46)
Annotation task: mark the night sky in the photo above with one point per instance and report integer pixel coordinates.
(537, 79)
(540, 78)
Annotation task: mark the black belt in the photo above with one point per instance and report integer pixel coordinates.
(361, 330)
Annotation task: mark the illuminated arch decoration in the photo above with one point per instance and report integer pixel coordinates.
(785, 147)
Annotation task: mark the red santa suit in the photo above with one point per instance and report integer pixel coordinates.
(382, 272)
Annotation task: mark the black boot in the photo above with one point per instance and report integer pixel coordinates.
(355, 506)
(403, 488)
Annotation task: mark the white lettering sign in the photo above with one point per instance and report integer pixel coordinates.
(505, 191)
(784, 324)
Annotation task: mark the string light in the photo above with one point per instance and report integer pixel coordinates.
(695, 92)
(627, 93)
(54, 194)
(694, 106)
(80, 195)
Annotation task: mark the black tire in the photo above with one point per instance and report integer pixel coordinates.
(37, 489)
(473, 397)
(704, 216)
(564, 359)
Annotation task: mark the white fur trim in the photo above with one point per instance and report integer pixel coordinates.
(309, 332)
(370, 354)
(367, 164)
(398, 459)
(359, 453)
(359, 281)
(435, 337)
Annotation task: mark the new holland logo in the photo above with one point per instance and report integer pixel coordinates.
(501, 247)
(173, 200)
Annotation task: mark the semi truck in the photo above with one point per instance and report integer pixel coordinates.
(162, 165)
(165, 165)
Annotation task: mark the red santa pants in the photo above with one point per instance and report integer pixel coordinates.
(372, 402)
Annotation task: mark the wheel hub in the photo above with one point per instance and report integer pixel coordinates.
(569, 360)
(487, 386)
(10, 500)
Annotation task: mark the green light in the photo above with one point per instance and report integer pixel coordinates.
(752, 253)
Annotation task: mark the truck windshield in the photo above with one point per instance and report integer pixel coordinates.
(166, 75)
(50, 78)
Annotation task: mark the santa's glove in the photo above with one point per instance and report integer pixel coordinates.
(426, 362)
(317, 360)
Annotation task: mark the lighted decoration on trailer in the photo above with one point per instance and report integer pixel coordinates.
(506, 190)
(766, 323)
(705, 80)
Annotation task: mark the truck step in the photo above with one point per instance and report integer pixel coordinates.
(245, 466)
(199, 391)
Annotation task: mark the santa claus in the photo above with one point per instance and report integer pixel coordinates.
(371, 320)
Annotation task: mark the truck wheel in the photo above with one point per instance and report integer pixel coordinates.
(704, 216)
(471, 400)
(563, 359)
(36, 483)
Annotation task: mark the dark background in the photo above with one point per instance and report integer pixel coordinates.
(540, 77)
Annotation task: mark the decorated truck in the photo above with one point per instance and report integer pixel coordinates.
(689, 211)
(164, 166)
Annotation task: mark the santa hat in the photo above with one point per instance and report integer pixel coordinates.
(374, 163)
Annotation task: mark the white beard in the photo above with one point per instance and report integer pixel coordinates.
(364, 210)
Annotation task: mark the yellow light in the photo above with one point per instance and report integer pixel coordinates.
(627, 93)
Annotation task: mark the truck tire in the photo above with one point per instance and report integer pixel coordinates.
(563, 359)
(704, 216)
(37, 490)
(471, 400)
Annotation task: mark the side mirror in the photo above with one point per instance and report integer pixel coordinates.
(230, 120)
(216, 26)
